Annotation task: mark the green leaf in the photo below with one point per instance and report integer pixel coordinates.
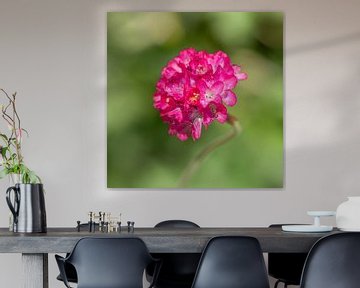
(27, 175)
(33, 178)
(3, 151)
(13, 156)
(4, 137)
(26, 132)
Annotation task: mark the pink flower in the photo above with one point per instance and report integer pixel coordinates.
(194, 89)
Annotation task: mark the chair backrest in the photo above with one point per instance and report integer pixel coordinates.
(286, 267)
(178, 269)
(176, 224)
(110, 262)
(333, 262)
(232, 262)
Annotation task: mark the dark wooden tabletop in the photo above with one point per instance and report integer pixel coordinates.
(158, 240)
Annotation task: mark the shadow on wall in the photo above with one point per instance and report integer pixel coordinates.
(323, 44)
(326, 169)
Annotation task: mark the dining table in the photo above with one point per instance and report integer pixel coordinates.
(35, 247)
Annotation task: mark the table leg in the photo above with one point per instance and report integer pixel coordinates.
(35, 270)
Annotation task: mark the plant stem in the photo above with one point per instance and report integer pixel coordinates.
(14, 123)
(195, 162)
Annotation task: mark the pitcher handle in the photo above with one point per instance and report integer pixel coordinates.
(13, 208)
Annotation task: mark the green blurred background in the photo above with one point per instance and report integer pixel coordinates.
(140, 153)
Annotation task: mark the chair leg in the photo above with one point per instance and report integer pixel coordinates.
(278, 282)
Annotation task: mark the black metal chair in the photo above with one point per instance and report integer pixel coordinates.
(333, 262)
(178, 269)
(69, 269)
(70, 273)
(232, 262)
(108, 263)
(286, 267)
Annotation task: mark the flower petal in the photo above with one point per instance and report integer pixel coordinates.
(182, 136)
(222, 116)
(238, 74)
(230, 82)
(217, 88)
(196, 131)
(229, 98)
(175, 114)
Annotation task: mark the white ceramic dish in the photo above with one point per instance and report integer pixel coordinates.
(321, 213)
(350, 229)
(306, 228)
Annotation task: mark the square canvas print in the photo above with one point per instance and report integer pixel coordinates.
(195, 100)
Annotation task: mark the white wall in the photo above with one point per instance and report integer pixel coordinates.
(53, 53)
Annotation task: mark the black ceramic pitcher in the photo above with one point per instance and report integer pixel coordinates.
(27, 207)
